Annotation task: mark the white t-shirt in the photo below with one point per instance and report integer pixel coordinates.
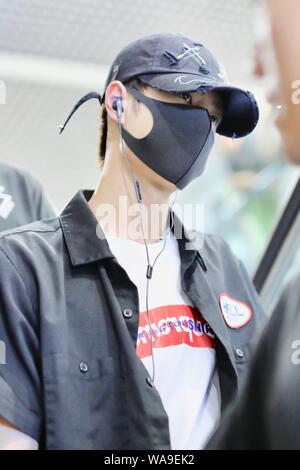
(183, 344)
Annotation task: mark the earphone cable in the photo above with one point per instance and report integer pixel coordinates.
(147, 292)
(139, 200)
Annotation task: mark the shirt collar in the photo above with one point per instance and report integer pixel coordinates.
(84, 238)
(86, 241)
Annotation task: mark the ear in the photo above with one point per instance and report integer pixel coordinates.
(114, 90)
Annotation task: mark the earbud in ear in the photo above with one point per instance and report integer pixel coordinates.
(115, 104)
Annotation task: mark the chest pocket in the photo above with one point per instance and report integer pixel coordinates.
(85, 403)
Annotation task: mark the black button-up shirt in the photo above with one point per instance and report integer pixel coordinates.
(69, 373)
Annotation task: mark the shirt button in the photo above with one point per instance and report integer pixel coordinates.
(149, 381)
(83, 367)
(127, 313)
(239, 352)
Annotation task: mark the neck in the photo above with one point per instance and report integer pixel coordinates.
(115, 205)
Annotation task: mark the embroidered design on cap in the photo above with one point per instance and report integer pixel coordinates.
(236, 313)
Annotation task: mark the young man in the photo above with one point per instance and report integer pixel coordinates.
(119, 332)
(267, 415)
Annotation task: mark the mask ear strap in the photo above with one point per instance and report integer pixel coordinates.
(85, 98)
(135, 92)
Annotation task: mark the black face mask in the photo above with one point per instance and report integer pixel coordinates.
(179, 142)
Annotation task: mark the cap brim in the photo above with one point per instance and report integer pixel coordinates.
(240, 108)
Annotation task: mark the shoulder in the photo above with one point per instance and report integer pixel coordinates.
(8, 171)
(227, 271)
(20, 181)
(35, 229)
(27, 193)
(221, 259)
(31, 246)
(214, 243)
(217, 252)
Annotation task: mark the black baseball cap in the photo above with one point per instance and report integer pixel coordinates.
(176, 64)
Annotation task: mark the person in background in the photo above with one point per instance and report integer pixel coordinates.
(22, 199)
(267, 415)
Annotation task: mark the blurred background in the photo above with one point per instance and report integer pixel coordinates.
(53, 52)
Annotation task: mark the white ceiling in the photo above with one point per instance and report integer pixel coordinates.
(52, 52)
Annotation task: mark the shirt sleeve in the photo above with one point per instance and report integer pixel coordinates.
(20, 387)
